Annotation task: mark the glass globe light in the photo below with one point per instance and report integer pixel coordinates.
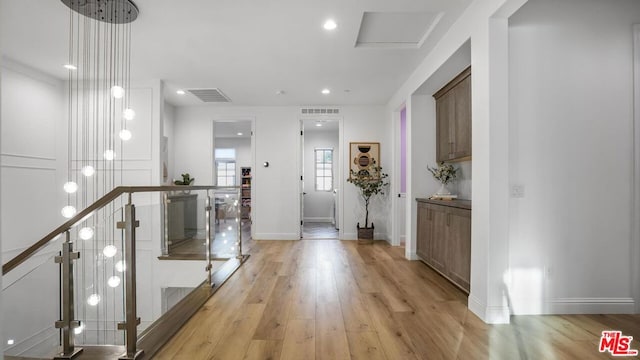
(114, 281)
(93, 299)
(125, 135)
(70, 187)
(88, 171)
(121, 266)
(129, 114)
(117, 91)
(79, 329)
(68, 211)
(85, 233)
(110, 251)
(109, 154)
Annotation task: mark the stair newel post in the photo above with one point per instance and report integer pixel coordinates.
(207, 228)
(67, 324)
(132, 321)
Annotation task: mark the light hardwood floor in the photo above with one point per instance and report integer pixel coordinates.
(330, 299)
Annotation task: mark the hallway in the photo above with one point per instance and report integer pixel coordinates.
(331, 299)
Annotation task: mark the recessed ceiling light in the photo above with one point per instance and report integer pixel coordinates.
(330, 24)
(70, 67)
(318, 124)
(239, 134)
(180, 92)
(347, 90)
(326, 91)
(280, 92)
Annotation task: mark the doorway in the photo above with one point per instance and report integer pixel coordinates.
(320, 179)
(233, 166)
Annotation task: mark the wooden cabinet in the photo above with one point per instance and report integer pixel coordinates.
(444, 238)
(453, 119)
(245, 195)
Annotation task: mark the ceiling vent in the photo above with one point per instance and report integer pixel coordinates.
(320, 111)
(210, 95)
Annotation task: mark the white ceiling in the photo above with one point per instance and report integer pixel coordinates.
(247, 49)
(231, 129)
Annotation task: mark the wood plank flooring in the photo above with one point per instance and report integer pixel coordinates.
(331, 299)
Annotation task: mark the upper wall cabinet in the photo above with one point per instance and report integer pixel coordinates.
(453, 119)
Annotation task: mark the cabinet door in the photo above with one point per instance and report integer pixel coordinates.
(461, 122)
(438, 240)
(459, 243)
(445, 114)
(424, 228)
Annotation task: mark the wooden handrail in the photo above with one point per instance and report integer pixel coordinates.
(97, 205)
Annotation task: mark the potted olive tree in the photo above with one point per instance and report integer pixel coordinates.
(370, 183)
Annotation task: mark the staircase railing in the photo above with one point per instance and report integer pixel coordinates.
(118, 208)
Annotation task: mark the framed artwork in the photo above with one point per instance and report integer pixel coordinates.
(363, 155)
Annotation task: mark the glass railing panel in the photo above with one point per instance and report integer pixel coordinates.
(31, 298)
(170, 259)
(226, 223)
(173, 243)
(99, 276)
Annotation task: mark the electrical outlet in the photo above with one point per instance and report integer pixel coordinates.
(517, 191)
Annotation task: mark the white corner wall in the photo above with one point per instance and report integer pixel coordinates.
(32, 162)
(571, 147)
(276, 198)
(483, 24)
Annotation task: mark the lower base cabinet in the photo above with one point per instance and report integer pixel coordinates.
(444, 238)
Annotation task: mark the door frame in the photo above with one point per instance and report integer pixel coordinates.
(236, 118)
(395, 183)
(342, 164)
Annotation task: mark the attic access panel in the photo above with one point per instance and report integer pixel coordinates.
(396, 29)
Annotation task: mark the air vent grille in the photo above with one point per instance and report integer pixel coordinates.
(320, 111)
(210, 95)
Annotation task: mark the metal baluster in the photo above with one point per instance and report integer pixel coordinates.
(67, 324)
(132, 321)
(207, 229)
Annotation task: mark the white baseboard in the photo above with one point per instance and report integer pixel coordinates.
(349, 236)
(591, 306)
(488, 314)
(277, 236)
(413, 256)
(318, 219)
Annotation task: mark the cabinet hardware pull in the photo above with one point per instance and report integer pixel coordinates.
(448, 219)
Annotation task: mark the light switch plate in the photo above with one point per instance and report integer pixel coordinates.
(517, 191)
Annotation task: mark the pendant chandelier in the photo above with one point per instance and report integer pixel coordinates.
(99, 101)
(99, 108)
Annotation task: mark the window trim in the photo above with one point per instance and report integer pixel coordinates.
(315, 170)
(227, 162)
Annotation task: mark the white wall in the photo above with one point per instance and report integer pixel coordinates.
(32, 161)
(318, 205)
(275, 203)
(571, 147)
